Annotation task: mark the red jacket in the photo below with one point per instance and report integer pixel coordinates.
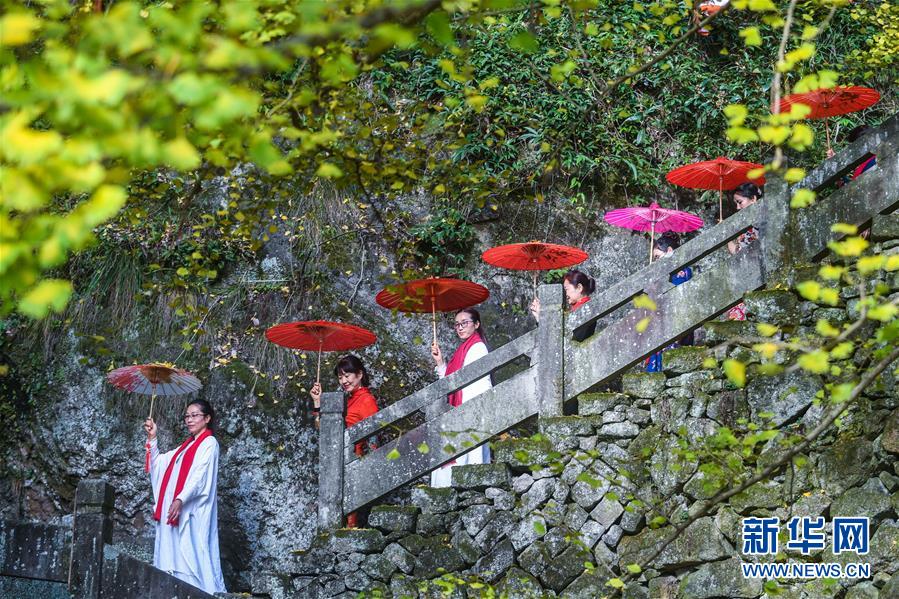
(360, 405)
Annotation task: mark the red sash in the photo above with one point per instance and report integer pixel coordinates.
(456, 362)
(182, 473)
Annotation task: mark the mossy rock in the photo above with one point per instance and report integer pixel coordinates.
(681, 360)
(481, 476)
(594, 404)
(522, 453)
(717, 331)
(647, 385)
(774, 306)
(885, 227)
(357, 540)
(433, 500)
(394, 518)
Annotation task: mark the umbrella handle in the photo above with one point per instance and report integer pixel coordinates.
(434, 317)
(318, 368)
(720, 199)
(652, 235)
(152, 401)
(827, 133)
(535, 283)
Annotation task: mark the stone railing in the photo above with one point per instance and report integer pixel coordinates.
(40, 560)
(561, 368)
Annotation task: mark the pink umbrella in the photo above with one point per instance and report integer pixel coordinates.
(654, 219)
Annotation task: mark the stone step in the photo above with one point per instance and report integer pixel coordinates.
(478, 477)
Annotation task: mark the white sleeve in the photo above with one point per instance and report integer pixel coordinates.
(158, 463)
(440, 370)
(478, 350)
(197, 483)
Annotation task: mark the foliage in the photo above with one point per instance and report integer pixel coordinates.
(442, 241)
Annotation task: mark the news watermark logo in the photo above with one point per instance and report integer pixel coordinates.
(806, 535)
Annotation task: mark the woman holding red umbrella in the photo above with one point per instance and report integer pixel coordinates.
(184, 487)
(360, 404)
(467, 324)
(578, 287)
(744, 195)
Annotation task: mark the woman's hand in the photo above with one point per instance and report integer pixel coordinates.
(437, 355)
(174, 511)
(150, 427)
(535, 308)
(316, 394)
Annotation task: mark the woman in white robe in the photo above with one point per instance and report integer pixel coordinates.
(184, 489)
(468, 328)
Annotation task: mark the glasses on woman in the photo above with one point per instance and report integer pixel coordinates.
(193, 416)
(462, 324)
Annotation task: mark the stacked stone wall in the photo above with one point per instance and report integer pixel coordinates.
(560, 514)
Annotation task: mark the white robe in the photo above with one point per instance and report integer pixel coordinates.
(189, 551)
(442, 477)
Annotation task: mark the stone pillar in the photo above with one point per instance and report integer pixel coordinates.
(550, 351)
(775, 232)
(330, 462)
(92, 529)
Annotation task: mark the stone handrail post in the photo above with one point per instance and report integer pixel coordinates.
(550, 354)
(331, 457)
(92, 530)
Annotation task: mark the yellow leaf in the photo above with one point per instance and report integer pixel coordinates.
(766, 330)
(851, 246)
(830, 296)
(810, 290)
(816, 361)
(767, 350)
(802, 198)
(794, 175)
(868, 264)
(19, 143)
(180, 154)
(736, 114)
(642, 325)
(18, 28)
(644, 301)
(844, 228)
(829, 272)
(751, 36)
(735, 372)
(329, 171)
(826, 329)
(49, 294)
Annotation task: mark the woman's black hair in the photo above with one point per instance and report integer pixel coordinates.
(668, 240)
(207, 410)
(576, 277)
(857, 132)
(476, 318)
(353, 365)
(749, 190)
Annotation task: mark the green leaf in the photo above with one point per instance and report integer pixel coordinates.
(539, 527)
(766, 330)
(616, 583)
(810, 290)
(525, 42)
(393, 454)
(423, 448)
(634, 568)
(438, 25)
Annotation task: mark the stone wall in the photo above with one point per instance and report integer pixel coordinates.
(565, 530)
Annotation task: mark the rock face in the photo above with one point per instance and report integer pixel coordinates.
(554, 516)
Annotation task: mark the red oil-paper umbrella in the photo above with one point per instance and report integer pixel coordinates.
(721, 174)
(655, 219)
(434, 294)
(832, 101)
(319, 336)
(154, 379)
(534, 256)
